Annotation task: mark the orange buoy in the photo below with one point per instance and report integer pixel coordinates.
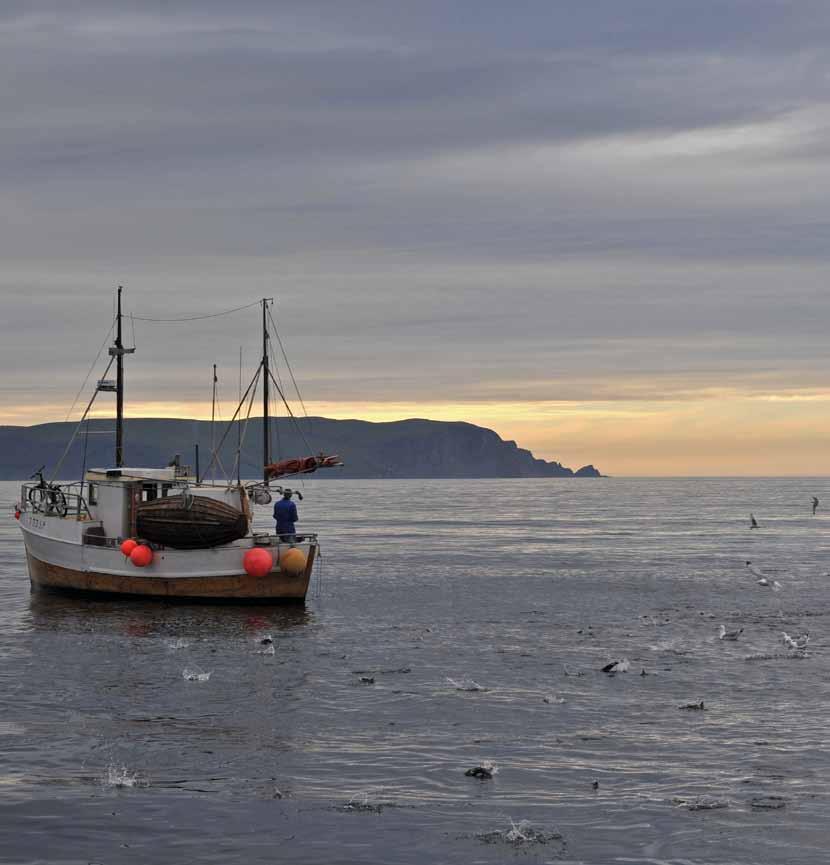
(257, 562)
(292, 562)
(141, 556)
(128, 546)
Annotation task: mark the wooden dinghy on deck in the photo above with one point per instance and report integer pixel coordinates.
(190, 522)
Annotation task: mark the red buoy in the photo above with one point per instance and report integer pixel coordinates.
(257, 562)
(128, 546)
(17, 513)
(141, 556)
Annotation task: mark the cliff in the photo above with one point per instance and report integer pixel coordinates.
(399, 449)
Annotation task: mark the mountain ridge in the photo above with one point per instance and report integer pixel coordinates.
(412, 448)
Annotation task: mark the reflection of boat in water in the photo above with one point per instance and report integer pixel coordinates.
(73, 613)
(165, 532)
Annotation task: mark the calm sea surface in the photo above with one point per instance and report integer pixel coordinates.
(108, 754)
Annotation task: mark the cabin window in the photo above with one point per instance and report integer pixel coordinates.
(149, 492)
(92, 496)
(165, 490)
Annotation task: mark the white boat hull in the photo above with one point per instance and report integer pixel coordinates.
(58, 558)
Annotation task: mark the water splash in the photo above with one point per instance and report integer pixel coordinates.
(121, 777)
(518, 833)
(178, 643)
(521, 834)
(266, 650)
(195, 675)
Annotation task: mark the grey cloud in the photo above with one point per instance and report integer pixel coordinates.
(411, 181)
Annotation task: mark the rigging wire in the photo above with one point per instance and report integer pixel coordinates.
(198, 317)
(83, 466)
(290, 412)
(253, 384)
(288, 366)
(275, 367)
(89, 373)
(77, 428)
(296, 387)
(238, 463)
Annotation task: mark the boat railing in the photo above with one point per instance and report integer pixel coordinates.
(95, 537)
(272, 539)
(54, 500)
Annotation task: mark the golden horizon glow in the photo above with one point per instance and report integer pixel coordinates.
(735, 434)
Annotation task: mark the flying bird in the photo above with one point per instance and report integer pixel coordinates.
(729, 635)
(753, 523)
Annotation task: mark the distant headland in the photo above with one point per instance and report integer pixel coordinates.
(398, 449)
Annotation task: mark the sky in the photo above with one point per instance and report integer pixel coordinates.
(600, 229)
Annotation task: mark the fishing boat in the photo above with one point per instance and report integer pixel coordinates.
(167, 532)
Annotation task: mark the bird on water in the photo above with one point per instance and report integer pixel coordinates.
(729, 635)
(762, 580)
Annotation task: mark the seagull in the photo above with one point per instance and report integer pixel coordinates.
(729, 635)
(762, 580)
(774, 585)
(753, 523)
(620, 666)
(799, 643)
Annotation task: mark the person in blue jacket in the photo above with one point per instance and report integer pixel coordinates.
(285, 513)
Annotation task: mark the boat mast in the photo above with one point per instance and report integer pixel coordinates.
(266, 431)
(213, 420)
(118, 351)
(119, 390)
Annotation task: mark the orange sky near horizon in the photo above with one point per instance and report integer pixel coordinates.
(737, 434)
